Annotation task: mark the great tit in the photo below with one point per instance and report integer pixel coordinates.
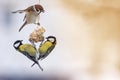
(46, 47)
(28, 50)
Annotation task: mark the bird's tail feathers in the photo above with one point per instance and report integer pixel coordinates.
(39, 66)
(32, 64)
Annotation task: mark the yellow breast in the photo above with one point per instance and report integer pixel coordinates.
(44, 47)
(28, 48)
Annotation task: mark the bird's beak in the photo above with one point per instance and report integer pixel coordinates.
(43, 11)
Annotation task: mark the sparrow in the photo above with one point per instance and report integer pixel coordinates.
(31, 15)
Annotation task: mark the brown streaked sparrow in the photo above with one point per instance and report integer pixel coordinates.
(31, 14)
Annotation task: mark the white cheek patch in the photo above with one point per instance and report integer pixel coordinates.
(16, 45)
(51, 39)
(38, 11)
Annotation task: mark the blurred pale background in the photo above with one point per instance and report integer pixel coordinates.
(88, 39)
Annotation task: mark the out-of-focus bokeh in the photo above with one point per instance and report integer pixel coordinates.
(88, 40)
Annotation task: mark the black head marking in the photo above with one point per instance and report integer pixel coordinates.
(51, 39)
(17, 44)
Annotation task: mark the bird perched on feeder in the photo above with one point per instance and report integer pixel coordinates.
(46, 47)
(28, 50)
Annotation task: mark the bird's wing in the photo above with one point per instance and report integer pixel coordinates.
(33, 58)
(47, 53)
(30, 52)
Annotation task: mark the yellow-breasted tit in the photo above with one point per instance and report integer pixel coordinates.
(31, 14)
(28, 50)
(46, 47)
